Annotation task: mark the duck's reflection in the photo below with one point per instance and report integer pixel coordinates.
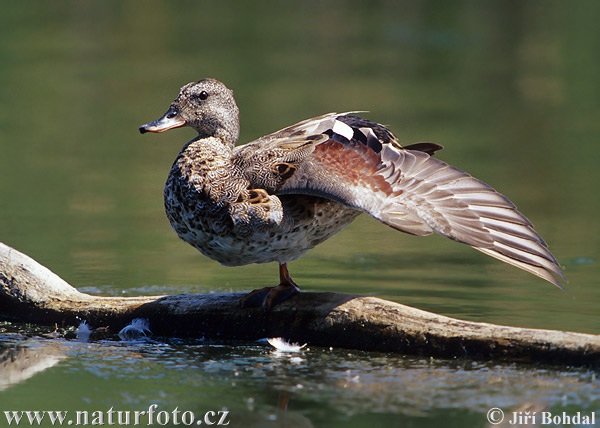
(271, 416)
(20, 362)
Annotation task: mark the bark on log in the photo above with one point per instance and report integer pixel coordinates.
(31, 293)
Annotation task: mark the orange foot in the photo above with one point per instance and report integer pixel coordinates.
(270, 296)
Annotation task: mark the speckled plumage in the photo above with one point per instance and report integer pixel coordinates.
(277, 197)
(213, 207)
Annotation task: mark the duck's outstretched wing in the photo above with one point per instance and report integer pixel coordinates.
(360, 164)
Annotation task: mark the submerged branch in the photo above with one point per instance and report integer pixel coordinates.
(31, 293)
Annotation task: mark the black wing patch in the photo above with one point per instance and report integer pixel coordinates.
(429, 148)
(381, 132)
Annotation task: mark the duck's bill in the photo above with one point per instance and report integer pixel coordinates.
(169, 120)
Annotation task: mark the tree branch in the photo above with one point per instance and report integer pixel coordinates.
(31, 293)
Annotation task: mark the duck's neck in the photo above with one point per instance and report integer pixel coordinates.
(228, 136)
(226, 128)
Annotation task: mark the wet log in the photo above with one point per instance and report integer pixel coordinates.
(32, 293)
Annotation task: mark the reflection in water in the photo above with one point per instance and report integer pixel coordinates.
(346, 382)
(20, 362)
(271, 417)
(261, 386)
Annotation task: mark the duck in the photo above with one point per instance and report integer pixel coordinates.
(276, 198)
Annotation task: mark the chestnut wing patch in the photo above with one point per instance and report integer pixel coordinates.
(353, 163)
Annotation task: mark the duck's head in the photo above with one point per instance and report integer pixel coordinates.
(207, 106)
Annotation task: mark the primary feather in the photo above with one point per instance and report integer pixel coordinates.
(360, 164)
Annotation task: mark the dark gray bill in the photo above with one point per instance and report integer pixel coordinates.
(168, 121)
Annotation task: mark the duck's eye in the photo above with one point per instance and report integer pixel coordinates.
(203, 95)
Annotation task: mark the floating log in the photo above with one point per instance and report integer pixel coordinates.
(31, 293)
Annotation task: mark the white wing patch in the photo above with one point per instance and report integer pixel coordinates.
(342, 129)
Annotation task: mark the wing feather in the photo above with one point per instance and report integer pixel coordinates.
(360, 164)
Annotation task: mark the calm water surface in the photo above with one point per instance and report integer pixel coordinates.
(511, 89)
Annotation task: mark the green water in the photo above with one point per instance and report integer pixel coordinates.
(511, 89)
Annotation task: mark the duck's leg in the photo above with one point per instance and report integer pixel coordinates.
(286, 288)
(270, 296)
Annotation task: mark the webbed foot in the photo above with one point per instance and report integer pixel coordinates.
(268, 297)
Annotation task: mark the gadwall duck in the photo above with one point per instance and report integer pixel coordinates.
(274, 199)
